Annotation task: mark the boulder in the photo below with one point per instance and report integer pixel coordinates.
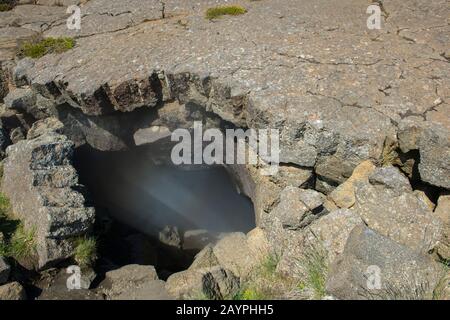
(25, 100)
(133, 282)
(55, 285)
(170, 236)
(5, 269)
(434, 166)
(443, 213)
(391, 178)
(41, 184)
(328, 235)
(204, 259)
(298, 207)
(234, 253)
(12, 291)
(375, 267)
(409, 132)
(214, 283)
(401, 216)
(344, 195)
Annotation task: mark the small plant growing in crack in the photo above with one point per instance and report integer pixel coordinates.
(217, 12)
(85, 253)
(50, 45)
(314, 266)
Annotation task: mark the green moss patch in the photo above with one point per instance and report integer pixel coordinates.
(46, 46)
(216, 12)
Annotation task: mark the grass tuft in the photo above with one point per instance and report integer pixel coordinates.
(46, 46)
(265, 283)
(314, 263)
(216, 12)
(85, 253)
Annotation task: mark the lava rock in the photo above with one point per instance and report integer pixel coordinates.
(392, 178)
(368, 257)
(5, 269)
(211, 283)
(12, 291)
(434, 166)
(41, 168)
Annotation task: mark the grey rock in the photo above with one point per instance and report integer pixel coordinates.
(41, 168)
(170, 236)
(17, 135)
(5, 269)
(298, 207)
(19, 73)
(403, 217)
(234, 253)
(204, 259)
(41, 127)
(404, 273)
(327, 235)
(27, 101)
(211, 283)
(134, 282)
(12, 291)
(392, 178)
(434, 166)
(409, 133)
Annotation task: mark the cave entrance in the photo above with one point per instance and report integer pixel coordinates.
(157, 213)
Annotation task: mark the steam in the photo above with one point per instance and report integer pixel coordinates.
(142, 189)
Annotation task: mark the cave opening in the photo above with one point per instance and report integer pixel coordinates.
(150, 211)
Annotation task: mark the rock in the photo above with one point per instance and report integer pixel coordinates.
(424, 199)
(434, 166)
(258, 243)
(170, 236)
(152, 290)
(12, 37)
(27, 101)
(132, 273)
(4, 142)
(198, 239)
(19, 73)
(204, 259)
(134, 282)
(12, 291)
(443, 213)
(327, 235)
(234, 253)
(213, 283)
(56, 287)
(403, 273)
(51, 206)
(5, 269)
(344, 195)
(391, 178)
(409, 132)
(403, 217)
(41, 127)
(3, 85)
(298, 207)
(17, 135)
(150, 135)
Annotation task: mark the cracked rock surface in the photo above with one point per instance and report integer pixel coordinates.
(335, 89)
